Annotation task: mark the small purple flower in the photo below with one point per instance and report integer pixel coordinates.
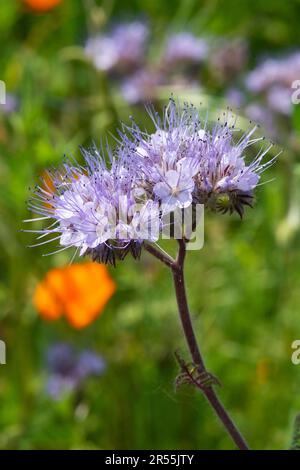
(274, 78)
(69, 369)
(184, 48)
(103, 51)
(89, 364)
(123, 48)
(175, 190)
(131, 39)
(263, 76)
(61, 359)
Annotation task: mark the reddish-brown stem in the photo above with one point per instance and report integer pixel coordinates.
(177, 268)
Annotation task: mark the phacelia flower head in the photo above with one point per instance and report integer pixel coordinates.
(187, 160)
(184, 48)
(97, 208)
(123, 48)
(109, 210)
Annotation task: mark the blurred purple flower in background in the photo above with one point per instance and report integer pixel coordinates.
(141, 87)
(123, 48)
(273, 78)
(11, 104)
(69, 369)
(281, 71)
(263, 76)
(130, 40)
(184, 48)
(103, 52)
(272, 83)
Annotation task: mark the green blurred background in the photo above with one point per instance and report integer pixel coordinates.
(244, 285)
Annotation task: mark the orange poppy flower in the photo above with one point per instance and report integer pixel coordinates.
(41, 5)
(80, 292)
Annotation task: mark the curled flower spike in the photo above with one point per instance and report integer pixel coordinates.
(96, 208)
(109, 210)
(187, 160)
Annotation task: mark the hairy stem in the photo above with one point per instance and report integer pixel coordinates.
(177, 267)
(208, 391)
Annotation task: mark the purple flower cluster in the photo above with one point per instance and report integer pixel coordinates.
(183, 57)
(122, 49)
(267, 94)
(68, 370)
(273, 78)
(281, 71)
(97, 208)
(184, 48)
(107, 211)
(122, 53)
(187, 161)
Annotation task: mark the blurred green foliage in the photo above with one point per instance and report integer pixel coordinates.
(244, 286)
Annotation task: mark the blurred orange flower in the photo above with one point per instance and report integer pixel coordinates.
(47, 185)
(41, 5)
(80, 292)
